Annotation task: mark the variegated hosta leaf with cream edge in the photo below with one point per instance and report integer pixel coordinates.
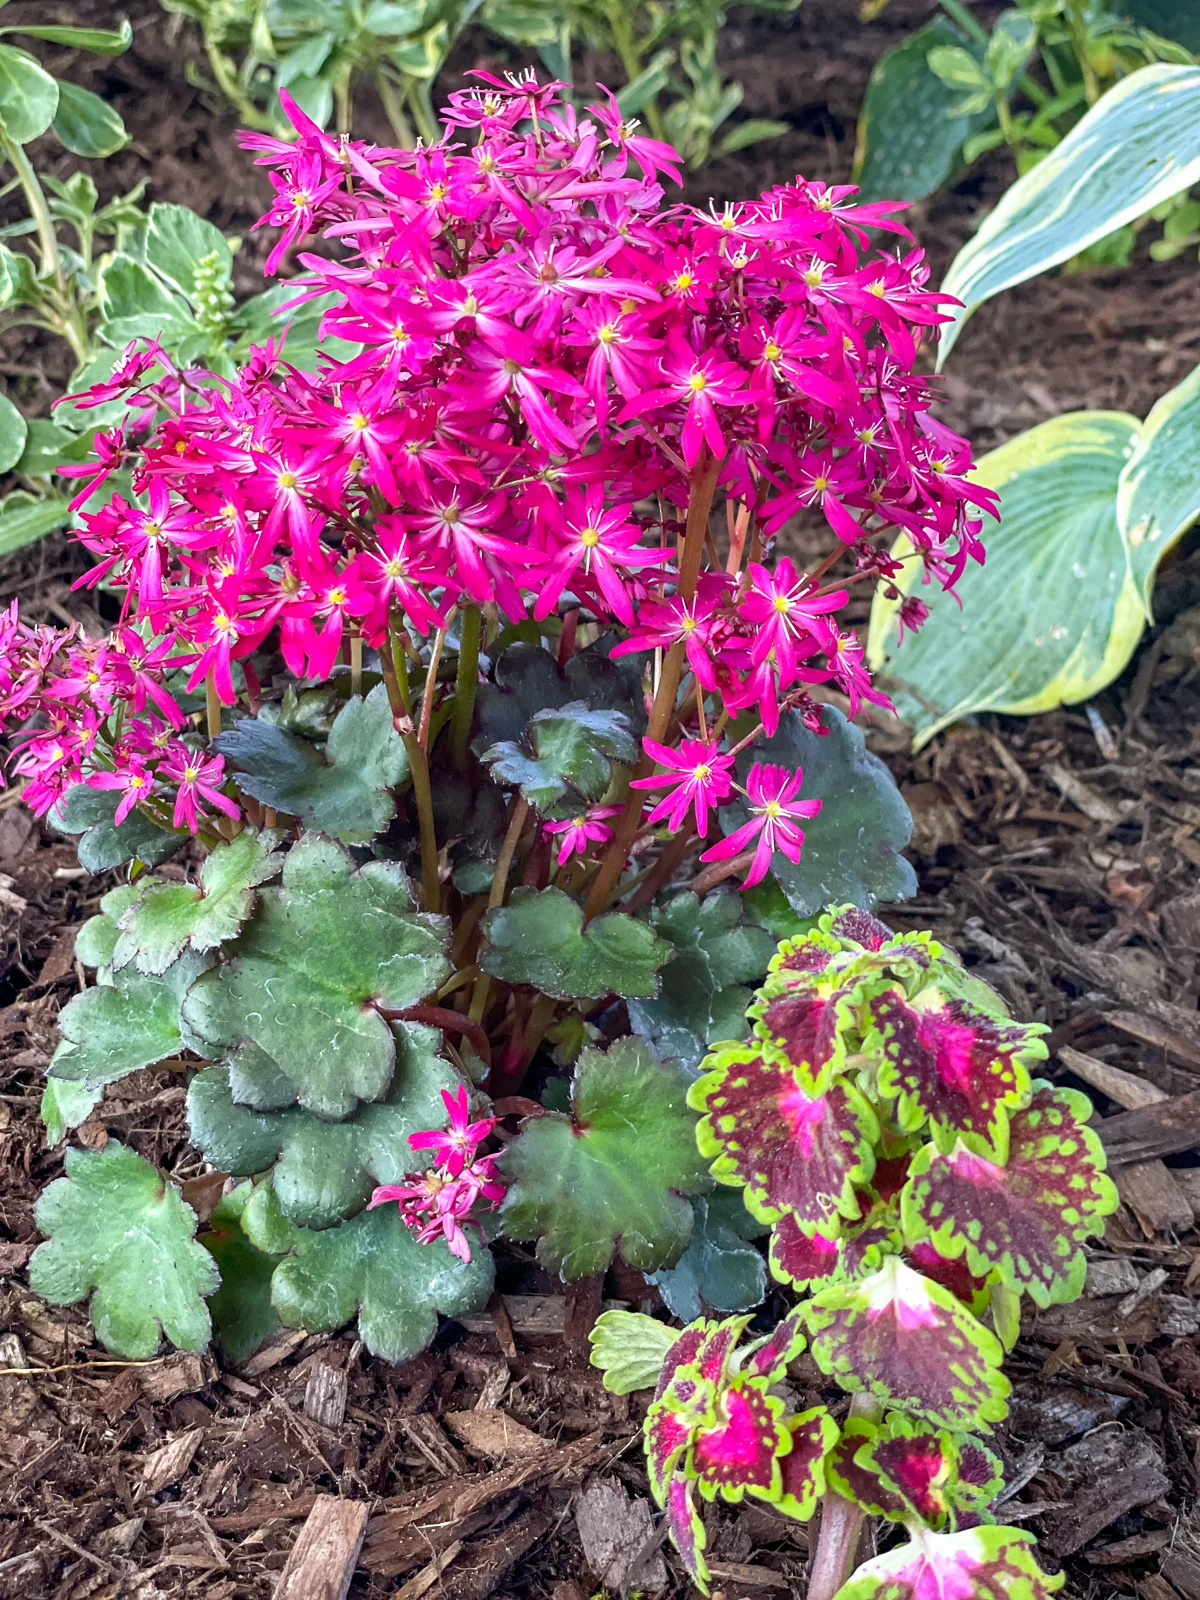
(792, 1152)
(903, 1468)
(1138, 146)
(909, 1342)
(952, 1067)
(1029, 1217)
(987, 1563)
(1158, 494)
(1058, 610)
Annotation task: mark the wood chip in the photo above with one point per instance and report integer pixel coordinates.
(1107, 1473)
(325, 1394)
(614, 1531)
(1156, 1588)
(1182, 1572)
(429, 1575)
(325, 1553)
(1083, 798)
(490, 1432)
(1126, 1088)
(276, 1349)
(494, 1386)
(1135, 1548)
(176, 1376)
(1115, 1276)
(530, 1314)
(1155, 1033)
(1158, 1202)
(433, 1444)
(1165, 1129)
(168, 1465)
(753, 1577)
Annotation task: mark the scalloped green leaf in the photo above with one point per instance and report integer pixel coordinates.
(374, 1268)
(167, 918)
(947, 1064)
(302, 982)
(64, 1106)
(103, 845)
(114, 1029)
(793, 1152)
(241, 1309)
(702, 997)
(564, 753)
(1029, 1217)
(97, 938)
(629, 1349)
(539, 938)
(719, 1269)
(990, 1563)
(527, 679)
(347, 793)
(324, 1171)
(852, 847)
(1058, 613)
(909, 1342)
(119, 1231)
(613, 1177)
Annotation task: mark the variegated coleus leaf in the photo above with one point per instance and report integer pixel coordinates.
(836, 1251)
(802, 1471)
(739, 1446)
(813, 1025)
(952, 1066)
(909, 1342)
(903, 1468)
(792, 1152)
(1028, 1218)
(686, 1528)
(952, 1274)
(991, 1563)
(685, 1401)
(769, 1358)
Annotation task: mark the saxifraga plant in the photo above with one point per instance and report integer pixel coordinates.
(882, 1119)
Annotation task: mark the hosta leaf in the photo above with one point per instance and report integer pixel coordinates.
(374, 1267)
(908, 1341)
(324, 1171)
(120, 1232)
(302, 981)
(612, 1176)
(792, 1151)
(1138, 146)
(565, 752)
(1060, 610)
(802, 1470)
(104, 845)
(945, 1063)
(241, 1309)
(1029, 1217)
(113, 1029)
(687, 1529)
(25, 518)
(993, 1563)
(167, 918)
(702, 998)
(1158, 498)
(348, 794)
(719, 1269)
(629, 1349)
(908, 139)
(539, 938)
(851, 848)
(740, 1449)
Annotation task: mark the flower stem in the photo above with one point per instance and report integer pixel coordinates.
(841, 1525)
(703, 487)
(356, 660)
(431, 894)
(465, 684)
(212, 705)
(479, 995)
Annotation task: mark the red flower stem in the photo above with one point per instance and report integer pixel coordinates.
(447, 1020)
(212, 705)
(703, 487)
(431, 888)
(841, 1525)
(516, 825)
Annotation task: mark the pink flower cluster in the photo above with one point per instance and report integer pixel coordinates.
(549, 359)
(438, 1202)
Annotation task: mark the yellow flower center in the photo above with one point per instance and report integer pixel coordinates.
(590, 537)
(702, 773)
(359, 422)
(773, 809)
(781, 604)
(287, 480)
(394, 568)
(772, 351)
(697, 381)
(607, 334)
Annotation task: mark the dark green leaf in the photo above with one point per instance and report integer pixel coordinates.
(567, 750)
(87, 125)
(851, 849)
(719, 1271)
(118, 1231)
(612, 1176)
(302, 981)
(539, 939)
(326, 1170)
(64, 1106)
(241, 1309)
(348, 794)
(90, 812)
(908, 144)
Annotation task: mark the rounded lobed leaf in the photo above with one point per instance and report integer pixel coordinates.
(793, 1152)
(909, 1342)
(241, 1309)
(630, 1350)
(118, 1231)
(993, 1563)
(114, 1029)
(719, 1269)
(539, 939)
(950, 1065)
(1030, 1217)
(613, 1176)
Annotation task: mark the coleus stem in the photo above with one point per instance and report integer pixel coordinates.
(841, 1524)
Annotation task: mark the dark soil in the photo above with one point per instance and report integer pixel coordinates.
(1058, 854)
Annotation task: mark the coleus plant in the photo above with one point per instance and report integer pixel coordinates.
(917, 1180)
(437, 668)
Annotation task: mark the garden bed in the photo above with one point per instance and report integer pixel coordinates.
(1058, 854)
